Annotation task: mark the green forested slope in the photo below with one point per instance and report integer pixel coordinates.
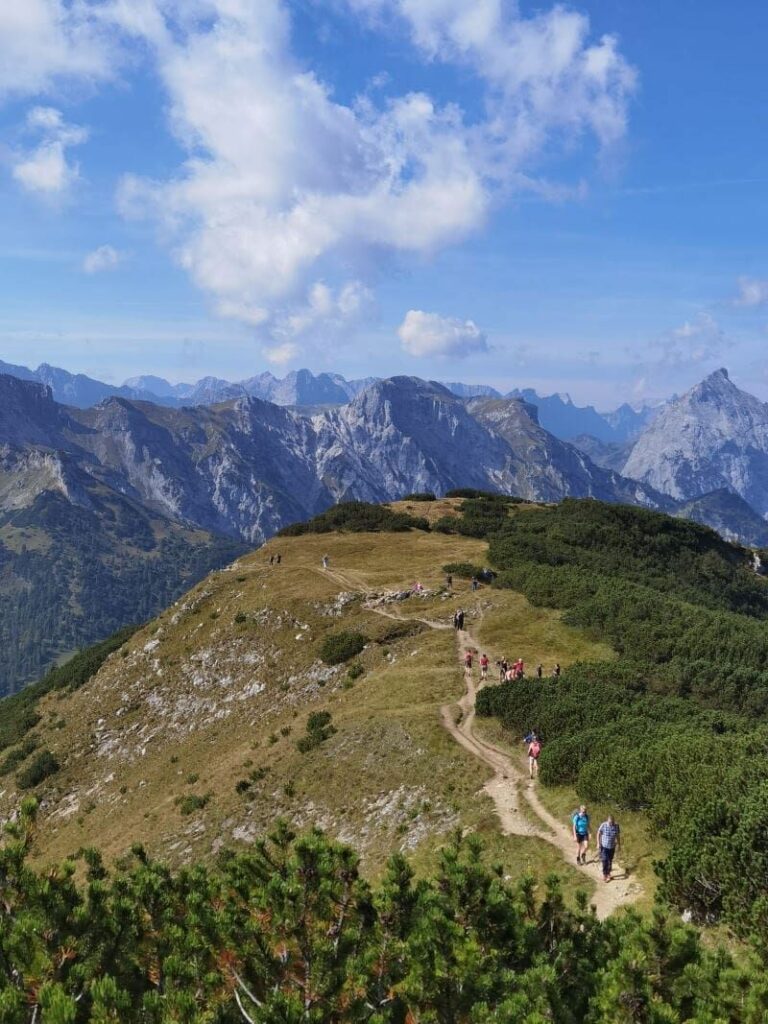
(71, 575)
(678, 726)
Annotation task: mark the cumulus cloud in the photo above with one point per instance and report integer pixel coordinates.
(45, 168)
(430, 334)
(284, 186)
(44, 40)
(106, 257)
(753, 292)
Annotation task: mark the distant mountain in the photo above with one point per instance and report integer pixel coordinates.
(473, 390)
(713, 437)
(729, 514)
(80, 553)
(627, 423)
(608, 454)
(561, 417)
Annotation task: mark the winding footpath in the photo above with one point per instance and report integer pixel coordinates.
(514, 795)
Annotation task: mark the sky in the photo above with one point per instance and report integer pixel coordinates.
(571, 197)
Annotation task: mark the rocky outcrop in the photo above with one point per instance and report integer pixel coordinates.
(715, 436)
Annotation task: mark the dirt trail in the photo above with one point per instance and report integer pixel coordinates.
(510, 785)
(513, 793)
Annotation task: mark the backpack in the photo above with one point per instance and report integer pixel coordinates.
(580, 819)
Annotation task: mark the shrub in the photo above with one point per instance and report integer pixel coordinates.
(191, 802)
(420, 496)
(340, 647)
(357, 517)
(241, 617)
(355, 671)
(319, 729)
(43, 766)
(242, 786)
(15, 757)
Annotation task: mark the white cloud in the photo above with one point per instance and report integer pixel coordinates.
(44, 40)
(753, 292)
(692, 344)
(285, 185)
(282, 354)
(430, 334)
(45, 168)
(104, 258)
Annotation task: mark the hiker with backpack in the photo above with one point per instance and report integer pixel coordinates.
(484, 666)
(534, 750)
(608, 841)
(468, 661)
(580, 825)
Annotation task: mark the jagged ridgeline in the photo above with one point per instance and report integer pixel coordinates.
(677, 726)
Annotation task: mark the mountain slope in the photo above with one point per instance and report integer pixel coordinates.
(218, 690)
(545, 468)
(715, 436)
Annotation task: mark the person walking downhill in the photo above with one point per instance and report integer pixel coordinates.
(503, 666)
(608, 841)
(539, 670)
(326, 561)
(449, 581)
(460, 619)
(580, 825)
(468, 661)
(484, 666)
(475, 584)
(534, 750)
(556, 672)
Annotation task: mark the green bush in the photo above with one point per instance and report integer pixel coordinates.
(355, 671)
(191, 802)
(420, 496)
(41, 768)
(340, 647)
(319, 729)
(357, 517)
(16, 756)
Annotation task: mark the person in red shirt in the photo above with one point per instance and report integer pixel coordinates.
(468, 660)
(484, 666)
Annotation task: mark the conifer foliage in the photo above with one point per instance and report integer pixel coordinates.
(289, 933)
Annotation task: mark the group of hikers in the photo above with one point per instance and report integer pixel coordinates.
(608, 834)
(608, 840)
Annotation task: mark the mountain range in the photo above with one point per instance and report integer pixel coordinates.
(303, 389)
(108, 511)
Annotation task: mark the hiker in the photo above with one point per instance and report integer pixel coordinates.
(519, 668)
(449, 581)
(580, 823)
(326, 561)
(503, 666)
(475, 584)
(484, 666)
(279, 559)
(460, 619)
(556, 672)
(509, 675)
(539, 670)
(608, 840)
(534, 749)
(418, 588)
(468, 660)
(271, 559)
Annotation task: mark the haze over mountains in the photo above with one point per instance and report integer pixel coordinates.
(557, 413)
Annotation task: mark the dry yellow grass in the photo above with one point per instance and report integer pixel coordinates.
(217, 691)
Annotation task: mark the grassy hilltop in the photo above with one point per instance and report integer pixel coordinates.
(187, 739)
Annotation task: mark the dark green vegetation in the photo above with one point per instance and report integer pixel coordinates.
(420, 496)
(71, 575)
(678, 726)
(319, 729)
(19, 713)
(356, 517)
(37, 770)
(289, 933)
(340, 647)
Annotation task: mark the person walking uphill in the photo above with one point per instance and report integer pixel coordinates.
(580, 823)
(534, 750)
(608, 841)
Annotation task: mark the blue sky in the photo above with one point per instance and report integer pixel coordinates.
(569, 198)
